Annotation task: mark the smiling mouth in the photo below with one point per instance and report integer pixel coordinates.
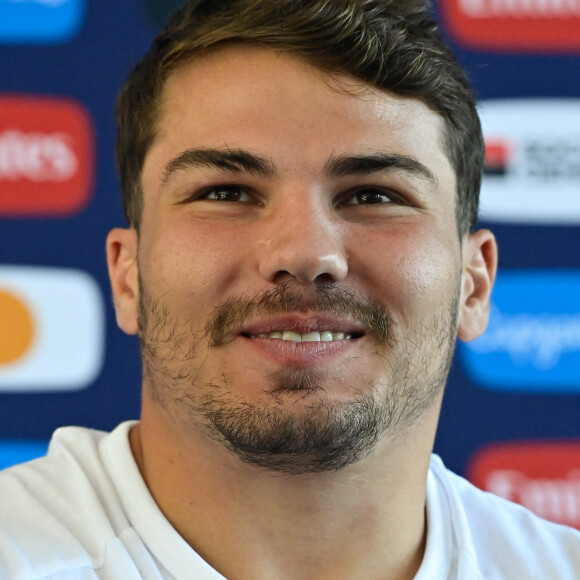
(313, 336)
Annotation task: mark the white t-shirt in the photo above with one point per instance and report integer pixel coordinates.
(85, 513)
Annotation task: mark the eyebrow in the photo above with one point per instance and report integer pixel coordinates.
(344, 165)
(232, 160)
(244, 161)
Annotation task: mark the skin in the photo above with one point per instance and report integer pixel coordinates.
(389, 237)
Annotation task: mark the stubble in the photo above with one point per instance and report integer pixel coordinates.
(296, 426)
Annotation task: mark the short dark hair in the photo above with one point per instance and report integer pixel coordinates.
(393, 45)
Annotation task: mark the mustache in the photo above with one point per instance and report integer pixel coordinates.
(323, 299)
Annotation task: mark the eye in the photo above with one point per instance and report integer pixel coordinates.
(226, 193)
(369, 196)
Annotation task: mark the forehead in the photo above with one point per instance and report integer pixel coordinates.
(274, 103)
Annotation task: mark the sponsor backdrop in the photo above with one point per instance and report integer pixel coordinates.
(510, 418)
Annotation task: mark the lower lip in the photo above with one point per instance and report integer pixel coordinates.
(299, 354)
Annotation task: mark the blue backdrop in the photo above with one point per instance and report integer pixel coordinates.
(62, 359)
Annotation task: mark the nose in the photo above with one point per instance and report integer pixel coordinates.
(303, 242)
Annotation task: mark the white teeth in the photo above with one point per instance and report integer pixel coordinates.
(293, 336)
(314, 336)
(326, 336)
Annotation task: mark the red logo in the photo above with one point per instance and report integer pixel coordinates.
(544, 477)
(498, 154)
(46, 156)
(528, 25)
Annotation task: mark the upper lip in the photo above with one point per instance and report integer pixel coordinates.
(301, 323)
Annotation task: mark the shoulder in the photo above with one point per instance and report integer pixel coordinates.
(506, 538)
(70, 465)
(45, 506)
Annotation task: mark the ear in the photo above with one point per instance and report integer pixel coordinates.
(124, 277)
(478, 275)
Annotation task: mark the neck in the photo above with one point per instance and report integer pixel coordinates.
(365, 521)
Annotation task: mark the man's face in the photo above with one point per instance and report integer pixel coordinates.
(299, 266)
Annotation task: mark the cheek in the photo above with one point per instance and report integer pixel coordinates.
(194, 263)
(429, 273)
(414, 273)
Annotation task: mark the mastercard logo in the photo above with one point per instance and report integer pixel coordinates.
(16, 315)
(52, 329)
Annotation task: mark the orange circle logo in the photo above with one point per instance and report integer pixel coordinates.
(16, 328)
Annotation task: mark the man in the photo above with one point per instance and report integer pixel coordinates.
(300, 178)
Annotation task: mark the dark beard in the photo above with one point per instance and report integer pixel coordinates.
(317, 435)
(322, 436)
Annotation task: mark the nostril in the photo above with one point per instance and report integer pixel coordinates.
(324, 278)
(282, 275)
(292, 258)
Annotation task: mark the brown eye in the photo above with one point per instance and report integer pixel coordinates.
(227, 193)
(368, 197)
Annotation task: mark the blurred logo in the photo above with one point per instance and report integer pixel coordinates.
(13, 452)
(52, 329)
(498, 156)
(510, 25)
(40, 21)
(544, 477)
(532, 343)
(532, 148)
(46, 156)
